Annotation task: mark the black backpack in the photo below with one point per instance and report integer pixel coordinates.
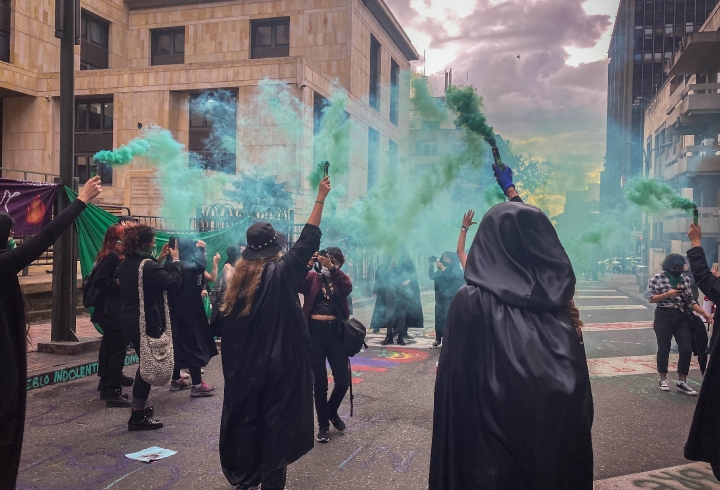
(90, 292)
(353, 336)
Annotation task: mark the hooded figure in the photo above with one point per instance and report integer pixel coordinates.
(193, 342)
(447, 282)
(513, 406)
(398, 306)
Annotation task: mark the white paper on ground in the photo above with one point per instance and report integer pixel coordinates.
(151, 454)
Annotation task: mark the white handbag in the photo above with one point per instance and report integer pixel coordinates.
(157, 359)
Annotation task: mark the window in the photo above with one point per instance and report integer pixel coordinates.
(374, 73)
(168, 46)
(393, 158)
(94, 43)
(648, 33)
(211, 147)
(5, 30)
(394, 91)
(270, 38)
(689, 28)
(93, 133)
(373, 157)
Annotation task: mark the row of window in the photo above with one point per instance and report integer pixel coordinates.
(375, 69)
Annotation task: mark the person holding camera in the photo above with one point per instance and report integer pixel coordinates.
(139, 245)
(448, 277)
(326, 305)
(671, 290)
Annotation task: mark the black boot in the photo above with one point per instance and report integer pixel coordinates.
(140, 421)
(128, 381)
(116, 399)
(400, 340)
(388, 340)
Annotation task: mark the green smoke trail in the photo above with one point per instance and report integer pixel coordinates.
(183, 184)
(468, 106)
(332, 143)
(653, 195)
(423, 101)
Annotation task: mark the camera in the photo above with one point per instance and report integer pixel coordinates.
(433, 259)
(323, 253)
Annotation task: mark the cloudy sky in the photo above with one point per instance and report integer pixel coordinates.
(551, 102)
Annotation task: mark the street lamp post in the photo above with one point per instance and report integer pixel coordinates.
(67, 24)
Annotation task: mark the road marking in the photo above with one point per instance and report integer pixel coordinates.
(604, 367)
(595, 291)
(582, 296)
(342, 465)
(694, 475)
(600, 327)
(611, 307)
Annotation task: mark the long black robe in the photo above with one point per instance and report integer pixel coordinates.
(703, 442)
(513, 407)
(193, 342)
(387, 278)
(13, 350)
(447, 284)
(267, 419)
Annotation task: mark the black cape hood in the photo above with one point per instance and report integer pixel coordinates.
(513, 407)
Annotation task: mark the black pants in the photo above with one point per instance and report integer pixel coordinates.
(327, 344)
(195, 375)
(111, 358)
(396, 316)
(442, 308)
(141, 388)
(669, 323)
(275, 480)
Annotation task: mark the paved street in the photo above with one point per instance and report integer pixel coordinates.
(73, 442)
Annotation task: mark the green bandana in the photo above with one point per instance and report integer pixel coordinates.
(674, 280)
(11, 244)
(151, 254)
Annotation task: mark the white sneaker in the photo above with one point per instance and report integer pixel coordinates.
(683, 386)
(664, 386)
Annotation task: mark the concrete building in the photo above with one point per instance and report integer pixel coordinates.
(646, 35)
(140, 61)
(681, 142)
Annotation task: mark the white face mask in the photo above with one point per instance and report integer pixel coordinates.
(325, 272)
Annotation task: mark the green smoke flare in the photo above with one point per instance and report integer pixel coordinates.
(468, 106)
(653, 195)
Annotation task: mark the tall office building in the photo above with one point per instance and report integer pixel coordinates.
(646, 35)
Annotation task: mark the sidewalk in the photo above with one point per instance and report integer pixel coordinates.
(626, 284)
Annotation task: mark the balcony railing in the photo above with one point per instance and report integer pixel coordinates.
(695, 110)
(693, 159)
(677, 228)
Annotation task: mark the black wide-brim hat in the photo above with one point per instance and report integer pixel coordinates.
(263, 242)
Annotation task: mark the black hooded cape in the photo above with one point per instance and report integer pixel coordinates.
(386, 278)
(703, 442)
(193, 342)
(268, 418)
(513, 407)
(13, 347)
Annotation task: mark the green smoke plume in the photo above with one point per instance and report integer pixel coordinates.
(653, 195)
(423, 101)
(468, 106)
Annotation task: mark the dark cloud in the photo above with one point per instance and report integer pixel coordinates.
(547, 108)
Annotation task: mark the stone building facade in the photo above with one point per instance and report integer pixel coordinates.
(141, 60)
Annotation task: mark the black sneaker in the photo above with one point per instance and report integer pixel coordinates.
(400, 340)
(388, 341)
(338, 422)
(323, 434)
(684, 388)
(146, 423)
(108, 393)
(116, 399)
(436, 343)
(128, 380)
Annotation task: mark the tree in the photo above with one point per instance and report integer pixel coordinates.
(261, 194)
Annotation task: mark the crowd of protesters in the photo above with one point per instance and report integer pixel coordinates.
(507, 291)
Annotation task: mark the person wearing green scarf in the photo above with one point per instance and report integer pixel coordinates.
(671, 290)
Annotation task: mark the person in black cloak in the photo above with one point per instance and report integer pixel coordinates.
(267, 419)
(14, 333)
(447, 275)
(193, 342)
(224, 276)
(513, 406)
(703, 442)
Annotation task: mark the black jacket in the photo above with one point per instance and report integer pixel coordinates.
(156, 280)
(513, 407)
(13, 348)
(703, 442)
(107, 310)
(267, 418)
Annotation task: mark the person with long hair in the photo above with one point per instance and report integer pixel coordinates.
(447, 274)
(267, 417)
(326, 305)
(513, 405)
(138, 245)
(14, 334)
(672, 291)
(106, 313)
(193, 342)
(232, 254)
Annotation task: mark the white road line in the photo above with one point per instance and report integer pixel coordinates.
(595, 291)
(582, 296)
(612, 307)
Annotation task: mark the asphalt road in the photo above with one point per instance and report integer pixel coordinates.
(73, 442)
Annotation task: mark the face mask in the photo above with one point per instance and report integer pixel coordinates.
(152, 254)
(325, 272)
(675, 274)
(11, 244)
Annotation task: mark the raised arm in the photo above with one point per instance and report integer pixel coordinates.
(24, 255)
(704, 278)
(504, 179)
(213, 275)
(467, 222)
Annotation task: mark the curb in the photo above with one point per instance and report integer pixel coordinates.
(69, 373)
